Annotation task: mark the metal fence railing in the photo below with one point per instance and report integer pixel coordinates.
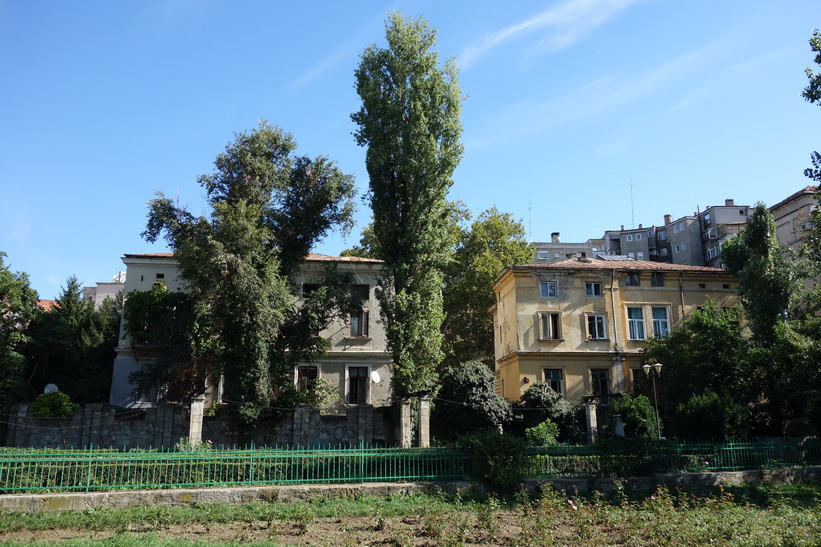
(33, 470)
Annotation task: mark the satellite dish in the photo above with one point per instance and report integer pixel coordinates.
(50, 388)
(375, 377)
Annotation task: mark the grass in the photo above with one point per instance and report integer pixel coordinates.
(746, 515)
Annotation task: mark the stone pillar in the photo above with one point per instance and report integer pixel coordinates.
(195, 419)
(405, 436)
(592, 424)
(364, 424)
(20, 433)
(302, 419)
(424, 422)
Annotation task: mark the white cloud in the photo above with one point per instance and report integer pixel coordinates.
(570, 21)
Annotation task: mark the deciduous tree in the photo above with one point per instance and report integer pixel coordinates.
(18, 304)
(494, 240)
(268, 208)
(410, 123)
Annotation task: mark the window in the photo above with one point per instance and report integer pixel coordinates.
(649, 234)
(684, 246)
(661, 323)
(362, 291)
(681, 227)
(357, 385)
(662, 235)
(675, 229)
(629, 237)
(656, 279)
(702, 285)
(359, 325)
(663, 251)
(596, 327)
(635, 323)
(592, 289)
(600, 378)
(550, 327)
(308, 288)
(306, 377)
(543, 255)
(557, 255)
(640, 255)
(629, 255)
(549, 289)
(160, 276)
(633, 280)
(638, 379)
(638, 237)
(554, 377)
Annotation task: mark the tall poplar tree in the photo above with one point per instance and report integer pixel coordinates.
(410, 123)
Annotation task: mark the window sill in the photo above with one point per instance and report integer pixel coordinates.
(551, 339)
(598, 339)
(359, 338)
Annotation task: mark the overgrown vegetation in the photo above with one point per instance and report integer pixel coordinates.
(52, 405)
(743, 515)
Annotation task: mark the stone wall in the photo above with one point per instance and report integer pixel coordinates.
(100, 425)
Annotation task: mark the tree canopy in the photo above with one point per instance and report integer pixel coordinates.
(268, 208)
(410, 123)
(18, 304)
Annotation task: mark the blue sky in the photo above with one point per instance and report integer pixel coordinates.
(569, 104)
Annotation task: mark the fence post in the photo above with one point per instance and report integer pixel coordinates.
(424, 422)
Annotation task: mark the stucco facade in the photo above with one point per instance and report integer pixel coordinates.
(356, 364)
(581, 324)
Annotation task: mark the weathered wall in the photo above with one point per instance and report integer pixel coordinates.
(164, 426)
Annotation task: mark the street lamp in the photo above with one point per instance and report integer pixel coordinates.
(647, 370)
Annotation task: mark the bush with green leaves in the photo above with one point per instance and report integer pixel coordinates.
(467, 402)
(495, 459)
(53, 405)
(541, 402)
(708, 416)
(638, 416)
(544, 434)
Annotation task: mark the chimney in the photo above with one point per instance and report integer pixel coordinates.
(555, 237)
(668, 219)
(622, 227)
(729, 203)
(639, 226)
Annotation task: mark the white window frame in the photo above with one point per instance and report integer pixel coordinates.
(590, 289)
(549, 325)
(675, 229)
(662, 235)
(542, 255)
(635, 325)
(629, 237)
(599, 324)
(545, 289)
(661, 326)
(640, 255)
(638, 237)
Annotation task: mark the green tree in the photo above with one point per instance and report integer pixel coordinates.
(768, 277)
(410, 123)
(268, 208)
(467, 402)
(638, 416)
(73, 345)
(494, 240)
(708, 352)
(18, 304)
(540, 402)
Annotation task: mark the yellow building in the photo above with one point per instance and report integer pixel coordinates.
(581, 324)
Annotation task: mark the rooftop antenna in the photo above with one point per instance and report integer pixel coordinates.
(529, 221)
(632, 209)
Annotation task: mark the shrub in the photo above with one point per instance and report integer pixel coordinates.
(540, 402)
(53, 405)
(709, 416)
(638, 417)
(468, 402)
(495, 459)
(544, 434)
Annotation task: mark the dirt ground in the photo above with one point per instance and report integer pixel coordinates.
(459, 529)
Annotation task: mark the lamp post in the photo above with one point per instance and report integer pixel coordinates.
(648, 369)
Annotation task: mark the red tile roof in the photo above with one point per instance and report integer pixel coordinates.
(312, 257)
(619, 265)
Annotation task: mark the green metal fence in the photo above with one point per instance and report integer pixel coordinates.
(28, 470)
(643, 459)
(87, 470)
